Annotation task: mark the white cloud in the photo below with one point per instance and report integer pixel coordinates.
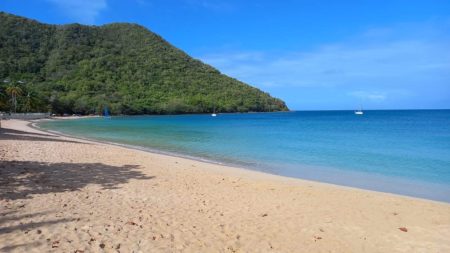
(380, 66)
(366, 95)
(336, 65)
(82, 11)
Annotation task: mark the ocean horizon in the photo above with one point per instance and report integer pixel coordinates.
(404, 152)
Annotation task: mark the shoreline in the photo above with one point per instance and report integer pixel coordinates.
(380, 187)
(66, 194)
(32, 124)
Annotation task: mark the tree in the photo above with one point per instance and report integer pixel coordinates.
(1, 114)
(77, 68)
(28, 103)
(14, 92)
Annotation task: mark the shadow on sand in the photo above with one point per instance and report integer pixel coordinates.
(20, 179)
(25, 224)
(11, 134)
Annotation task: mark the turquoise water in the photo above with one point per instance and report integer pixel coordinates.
(405, 152)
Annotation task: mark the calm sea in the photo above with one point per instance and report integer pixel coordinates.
(405, 152)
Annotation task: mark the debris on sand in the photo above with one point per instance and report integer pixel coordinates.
(403, 229)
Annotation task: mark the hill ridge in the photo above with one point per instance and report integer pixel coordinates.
(74, 68)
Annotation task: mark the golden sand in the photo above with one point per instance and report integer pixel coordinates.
(60, 194)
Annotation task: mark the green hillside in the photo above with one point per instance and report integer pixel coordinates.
(80, 69)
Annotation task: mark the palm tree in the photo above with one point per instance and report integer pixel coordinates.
(28, 103)
(1, 114)
(14, 92)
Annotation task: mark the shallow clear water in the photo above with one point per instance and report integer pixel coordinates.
(406, 152)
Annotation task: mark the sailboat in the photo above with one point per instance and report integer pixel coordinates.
(359, 112)
(214, 112)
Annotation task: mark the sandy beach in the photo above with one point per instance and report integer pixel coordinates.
(61, 194)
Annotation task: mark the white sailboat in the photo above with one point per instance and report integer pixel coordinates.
(214, 112)
(359, 112)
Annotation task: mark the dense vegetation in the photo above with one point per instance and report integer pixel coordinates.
(81, 69)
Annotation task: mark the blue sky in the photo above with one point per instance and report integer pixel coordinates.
(312, 54)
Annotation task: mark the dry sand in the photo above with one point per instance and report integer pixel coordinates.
(59, 194)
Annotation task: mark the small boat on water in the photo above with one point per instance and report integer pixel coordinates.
(214, 111)
(359, 112)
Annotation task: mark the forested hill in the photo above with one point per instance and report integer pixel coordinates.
(81, 69)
